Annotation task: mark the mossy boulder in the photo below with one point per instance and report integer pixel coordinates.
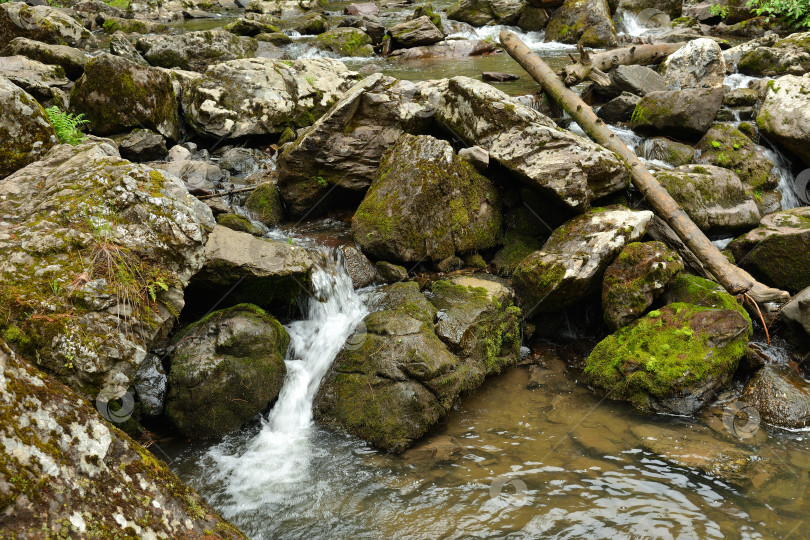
(236, 222)
(26, 134)
(195, 51)
(714, 197)
(684, 114)
(260, 96)
(311, 24)
(118, 95)
(571, 263)
(668, 151)
(345, 42)
(70, 59)
(66, 472)
(785, 114)
(399, 378)
(584, 22)
(673, 360)
(112, 25)
(224, 369)
(788, 56)
(698, 291)
(777, 251)
(516, 247)
(251, 27)
(780, 395)
(728, 147)
(47, 24)
(635, 279)
(483, 12)
(98, 252)
(426, 203)
(265, 204)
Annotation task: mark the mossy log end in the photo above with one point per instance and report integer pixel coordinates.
(735, 280)
(605, 61)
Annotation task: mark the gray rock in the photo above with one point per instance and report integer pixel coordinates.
(797, 311)
(447, 208)
(71, 60)
(638, 80)
(26, 134)
(116, 219)
(475, 155)
(668, 151)
(364, 8)
(260, 96)
(224, 369)
(571, 263)
(698, 64)
(150, 385)
(618, 109)
(456, 48)
(264, 271)
(109, 98)
(498, 76)
(265, 205)
(141, 145)
(586, 22)
(52, 435)
(788, 56)
(56, 26)
(780, 395)
(345, 41)
(670, 7)
(391, 273)
(369, 25)
(685, 113)
(785, 114)
(121, 46)
(195, 174)
(311, 24)
(42, 81)
(194, 51)
(715, 198)
(240, 160)
(483, 12)
(361, 270)
(420, 31)
(252, 27)
(178, 153)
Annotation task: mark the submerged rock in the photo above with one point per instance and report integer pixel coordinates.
(778, 250)
(100, 249)
(714, 197)
(402, 379)
(781, 396)
(426, 203)
(26, 134)
(260, 96)
(57, 26)
(635, 279)
(570, 265)
(584, 22)
(69, 472)
(673, 360)
(224, 369)
(194, 51)
(117, 95)
(785, 114)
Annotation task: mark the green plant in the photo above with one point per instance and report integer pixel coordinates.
(66, 125)
(719, 10)
(795, 12)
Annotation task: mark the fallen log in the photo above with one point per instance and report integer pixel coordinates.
(734, 279)
(593, 66)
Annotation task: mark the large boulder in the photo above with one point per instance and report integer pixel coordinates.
(482, 12)
(638, 276)
(26, 134)
(571, 263)
(250, 269)
(224, 369)
(714, 197)
(100, 483)
(419, 31)
(569, 169)
(778, 250)
(451, 48)
(690, 289)
(697, 64)
(260, 96)
(780, 395)
(195, 50)
(673, 360)
(118, 95)
(339, 155)
(638, 80)
(401, 378)
(687, 113)
(788, 56)
(43, 23)
(426, 203)
(345, 41)
(43, 81)
(797, 311)
(98, 252)
(69, 59)
(584, 22)
(785, 114)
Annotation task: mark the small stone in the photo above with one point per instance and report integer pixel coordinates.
(391, 273)
(499, 76)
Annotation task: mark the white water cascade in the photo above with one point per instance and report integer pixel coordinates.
(275, 464)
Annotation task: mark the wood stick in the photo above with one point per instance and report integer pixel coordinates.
(637, 54)
(735, 280)
(225, 193)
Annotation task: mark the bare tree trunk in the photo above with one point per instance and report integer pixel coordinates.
(735, 280)
(637, 54)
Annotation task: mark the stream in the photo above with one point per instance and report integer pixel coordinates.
(532, 454)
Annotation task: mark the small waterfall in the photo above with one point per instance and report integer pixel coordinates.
(782, 168)
(274, 465)
(629, 25)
